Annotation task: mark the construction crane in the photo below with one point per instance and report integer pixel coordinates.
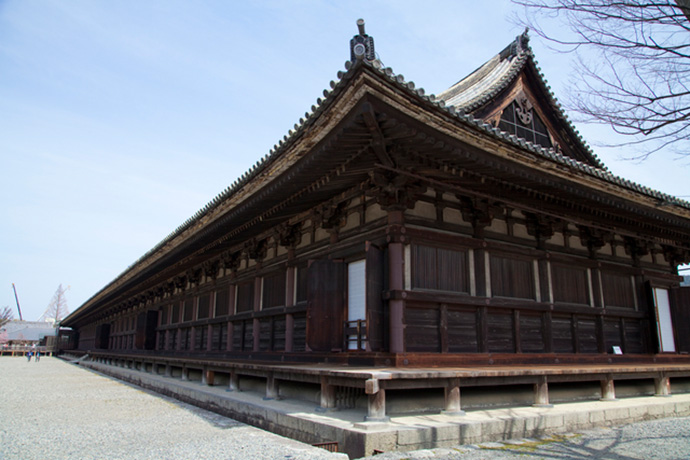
(19, 309)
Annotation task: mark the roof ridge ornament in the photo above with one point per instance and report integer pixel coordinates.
(519, 46)
(362, 45)
(523, 39)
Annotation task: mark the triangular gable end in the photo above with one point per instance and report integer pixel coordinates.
(510, 92)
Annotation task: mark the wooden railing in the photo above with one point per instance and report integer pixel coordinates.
(355, 333)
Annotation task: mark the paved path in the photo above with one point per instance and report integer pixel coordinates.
(55, 410)
(667, 439)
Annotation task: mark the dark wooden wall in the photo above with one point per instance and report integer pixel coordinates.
(520, 316)
(680, 313)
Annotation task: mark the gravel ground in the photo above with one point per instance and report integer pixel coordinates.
(667, 439)
(55, 410)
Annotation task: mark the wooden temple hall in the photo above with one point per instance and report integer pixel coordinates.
(405, 244)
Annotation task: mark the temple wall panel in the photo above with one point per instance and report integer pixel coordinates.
(320, 234)
(497, 294)
(454, 216)
(450, 197)
(87, 337)
(423, 209)
(557, 239)
(374, 212)
(575, 243)
(305, 240)
(352, 222)
(498, 226)
(429, 192)
(520, 231)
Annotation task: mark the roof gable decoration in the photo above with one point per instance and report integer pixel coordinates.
(520, 118)
(491, 88)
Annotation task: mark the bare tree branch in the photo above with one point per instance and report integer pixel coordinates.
(633, 62)
(6, 315)
(57, 309)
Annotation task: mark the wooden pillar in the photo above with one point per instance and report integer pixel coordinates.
(376, 406)
(547, 328)
(230, 330)
(517, 342)
(443, 327)
(328, 396)
(396, 306)
(192, 339)
(574, 328)
(545, 291)
(396, 282)
(185, 373)
(598, 294)
(662, 386)
(256, 329)
(452, 398)
(608, 391)
(272, 390)
(289, 302)
(601, 340)
(483, 329)
(234, 384)
(480, 269)
(541, 393)
(209, 337)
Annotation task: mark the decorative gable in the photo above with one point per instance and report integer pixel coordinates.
(520, 118)
(510, 93)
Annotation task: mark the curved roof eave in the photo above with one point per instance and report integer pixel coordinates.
(430, 101)
(481, 86)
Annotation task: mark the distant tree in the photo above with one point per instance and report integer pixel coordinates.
(6, 315)
(57, 309)
(633, 64)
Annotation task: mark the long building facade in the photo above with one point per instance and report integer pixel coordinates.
(394, 229)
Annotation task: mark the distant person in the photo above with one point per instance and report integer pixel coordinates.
(38, 356)
(28, 356)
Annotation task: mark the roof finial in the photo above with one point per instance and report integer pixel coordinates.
(360, 26)
(362, 45)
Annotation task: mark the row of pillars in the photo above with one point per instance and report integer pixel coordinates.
(377, 396)
(376, 404)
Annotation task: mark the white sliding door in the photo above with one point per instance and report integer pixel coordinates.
(663, 320)
(356, 297)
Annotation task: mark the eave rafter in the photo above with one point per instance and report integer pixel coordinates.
(545, 186)
(378, 142)
(461, 181)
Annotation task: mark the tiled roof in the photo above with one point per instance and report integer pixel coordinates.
(485, 83)
(28, 330)
(548, 154)
(409, 86)
(493, 75)
(488, 80)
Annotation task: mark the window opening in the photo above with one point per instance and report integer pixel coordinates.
(519, 119)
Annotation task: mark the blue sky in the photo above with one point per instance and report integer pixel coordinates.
(119, 120)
